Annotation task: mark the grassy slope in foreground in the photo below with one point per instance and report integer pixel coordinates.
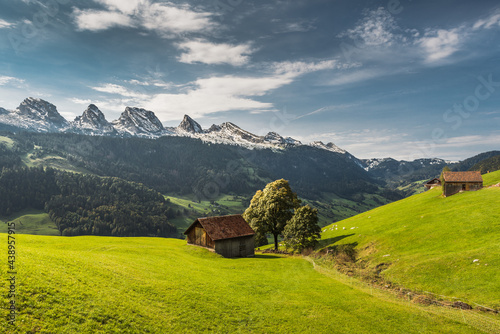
(154, 285)
(431, 242)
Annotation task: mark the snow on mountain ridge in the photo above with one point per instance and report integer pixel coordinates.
(189, 125)
(41, 110)
(329, 147)
(42, 116)
(138, 121)
(92, 120)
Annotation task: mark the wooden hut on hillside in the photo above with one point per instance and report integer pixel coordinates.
(432, 183)
(455, 182)
(229, 236)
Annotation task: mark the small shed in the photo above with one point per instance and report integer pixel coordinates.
(229, 236)
(455, 182)
(433, 183)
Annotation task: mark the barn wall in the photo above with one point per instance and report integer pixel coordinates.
(451, 188)
(236, 247)
(198, 236)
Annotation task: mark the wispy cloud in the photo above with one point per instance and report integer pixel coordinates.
(377, 27)
(200, 51)
(297, 68)
(298, 25)
(490, 22)
(7, 80)
(5, 24)
(355, 76)
(119, 90)
(377, 37)
(216, 93)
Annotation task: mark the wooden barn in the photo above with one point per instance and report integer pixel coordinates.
(229, 236)
(432, 183)
(455, 182)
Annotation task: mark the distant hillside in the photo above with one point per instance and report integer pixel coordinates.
(448, 246)
(467, 164)
(81, 204)
(488, 165)
(190, 168)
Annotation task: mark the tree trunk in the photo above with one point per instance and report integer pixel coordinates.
(275, 242)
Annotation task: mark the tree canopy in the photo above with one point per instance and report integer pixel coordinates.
(271, 209)
(302, 231)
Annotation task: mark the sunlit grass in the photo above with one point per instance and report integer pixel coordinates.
(154, 285)
(431, 242)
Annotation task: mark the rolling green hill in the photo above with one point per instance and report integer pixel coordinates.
(447, 246)
(154, 285)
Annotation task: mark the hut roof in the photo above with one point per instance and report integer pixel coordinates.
(462, 177)
(224, 227)
(434, 181)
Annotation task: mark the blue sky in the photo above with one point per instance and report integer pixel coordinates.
(405, 79)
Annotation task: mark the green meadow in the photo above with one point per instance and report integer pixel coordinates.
(30, 222)
(155, 285)
(429, 243)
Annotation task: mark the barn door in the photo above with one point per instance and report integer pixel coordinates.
(243, 248)
(199, 233)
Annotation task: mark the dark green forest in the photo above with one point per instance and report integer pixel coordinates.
(86, 204)
(177, 165)
(488, 165)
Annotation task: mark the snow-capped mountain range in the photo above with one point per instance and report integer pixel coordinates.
(37, 115)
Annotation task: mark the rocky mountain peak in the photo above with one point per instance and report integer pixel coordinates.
(138, 121)
(329, 147)
(190, 125)
(41, 110)
(93, 119)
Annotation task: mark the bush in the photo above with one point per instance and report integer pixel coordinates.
(343, 253)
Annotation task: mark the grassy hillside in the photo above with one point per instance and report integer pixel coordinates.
(155, 285)
(31, 222)
(448, 246)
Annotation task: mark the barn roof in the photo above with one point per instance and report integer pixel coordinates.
(224, 227)
(462, 177)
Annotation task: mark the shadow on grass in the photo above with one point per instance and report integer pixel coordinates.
(265, 256)
(326, 242)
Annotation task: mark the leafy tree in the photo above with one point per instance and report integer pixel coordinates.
(302, 231)
(271, 209)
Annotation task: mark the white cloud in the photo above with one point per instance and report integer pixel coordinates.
(94, 20)
(488, 23)
(6, 80)
(217, 93)
(471, 140)
(80, 101)
(441, 43)
(5, 24)
(293, 69)
(341, 79)
(166, 18)
(124, 6)
(210, 53)
(378, 27)
(119, 90)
